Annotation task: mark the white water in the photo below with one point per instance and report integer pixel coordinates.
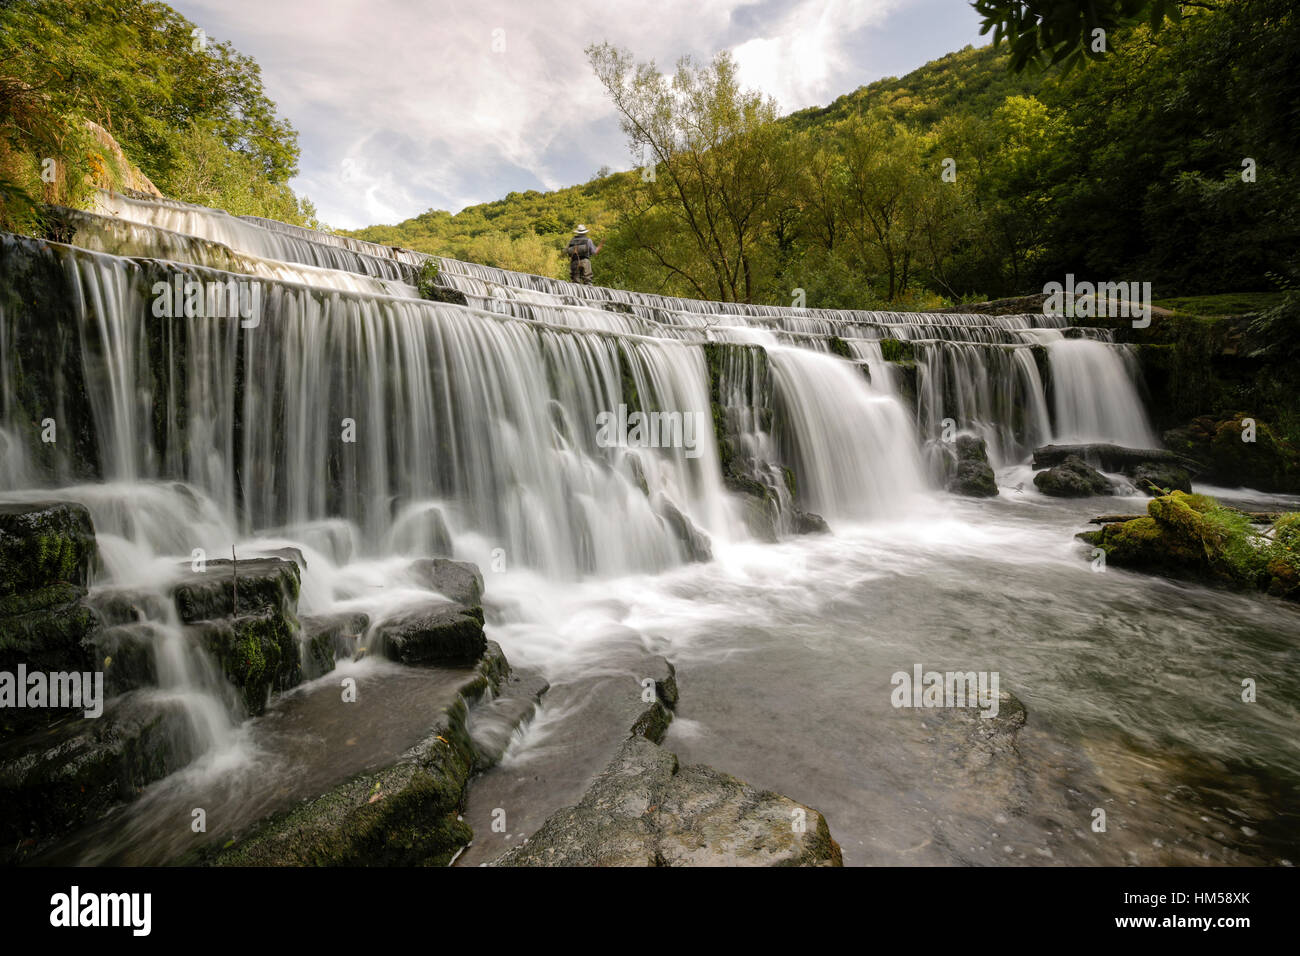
(475, 429)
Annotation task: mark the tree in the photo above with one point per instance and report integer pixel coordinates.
(715, 166)
(1048, 32)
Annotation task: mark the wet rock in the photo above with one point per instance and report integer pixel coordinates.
(1073, 478)
(126, 654)
(664, 674)
(331, 636)
(1109, 457)
(442, 293)
(54, 781)
(1158, 478)
(1220, 446)
(127, 605)
(806, 522)
(249, 586)
(52, 633)
(45, 544)
(286, 554)
(760, 509)
(443, 634)
(973, 475)
(406, 814)
(645, 810)
(458, 581)
(652, 723)
(258, 653)
(493, 722)
(1193, 536)
(696, 543)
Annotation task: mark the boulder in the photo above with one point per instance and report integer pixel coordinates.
(331, 636)
(443, 634)
(54, 781)
(458, 581)
(257, 652)
(126, 654)
(52, 631)
(45, 544)
(248, 586)
(1193, 536)
(1110, 457)
(1267, 463)
(405, 814)
(1073, 478)
(645, 810)
(695, 542)
(1158, 478)
(806, 522)
(973, 475)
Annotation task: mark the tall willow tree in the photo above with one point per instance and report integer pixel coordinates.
(715, 169)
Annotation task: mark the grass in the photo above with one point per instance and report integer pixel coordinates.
(1221, 304)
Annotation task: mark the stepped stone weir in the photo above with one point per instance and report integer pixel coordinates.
(275, 442)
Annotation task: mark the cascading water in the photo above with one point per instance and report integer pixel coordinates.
(364, 426)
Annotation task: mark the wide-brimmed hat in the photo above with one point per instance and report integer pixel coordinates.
(580, 231)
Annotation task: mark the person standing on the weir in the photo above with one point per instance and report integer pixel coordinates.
(580, 250)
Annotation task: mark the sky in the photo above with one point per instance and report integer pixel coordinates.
(407, 105)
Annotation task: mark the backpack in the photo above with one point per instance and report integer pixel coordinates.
(578, 248)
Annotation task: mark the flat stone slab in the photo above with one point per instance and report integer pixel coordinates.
(249, 586)
(54, 780)
(405, 814)
(645, 810)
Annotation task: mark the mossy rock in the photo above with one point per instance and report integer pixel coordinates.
(258, 653)
(897, 350)
(1073, 478)
(45, 544)
(1192, 536)
(58, 779)
(406, 814)
(56, 636)
(248, 586)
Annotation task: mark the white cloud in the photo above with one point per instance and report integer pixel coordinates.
(403, 105)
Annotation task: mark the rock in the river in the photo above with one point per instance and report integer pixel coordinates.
(645, 810)
(973, 475)
(1192, 535)
(1239, 451)
(45, 544)
(257, 652)
(458, 581)
(126, 654)
(250, 586)
(1159, 478)
(406, 814)
(50, 630)
(807, 522)
(1073, 478)
(55, 780)
(444, 634)
(331, 636)
(696, 542)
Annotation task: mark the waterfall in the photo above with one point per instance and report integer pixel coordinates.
(1095, 396)
(362, 424)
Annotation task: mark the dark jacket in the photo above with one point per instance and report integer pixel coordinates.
(582, 246)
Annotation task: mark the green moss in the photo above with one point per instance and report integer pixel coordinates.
(840, 347)
(897, 350)
(1193, 535)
